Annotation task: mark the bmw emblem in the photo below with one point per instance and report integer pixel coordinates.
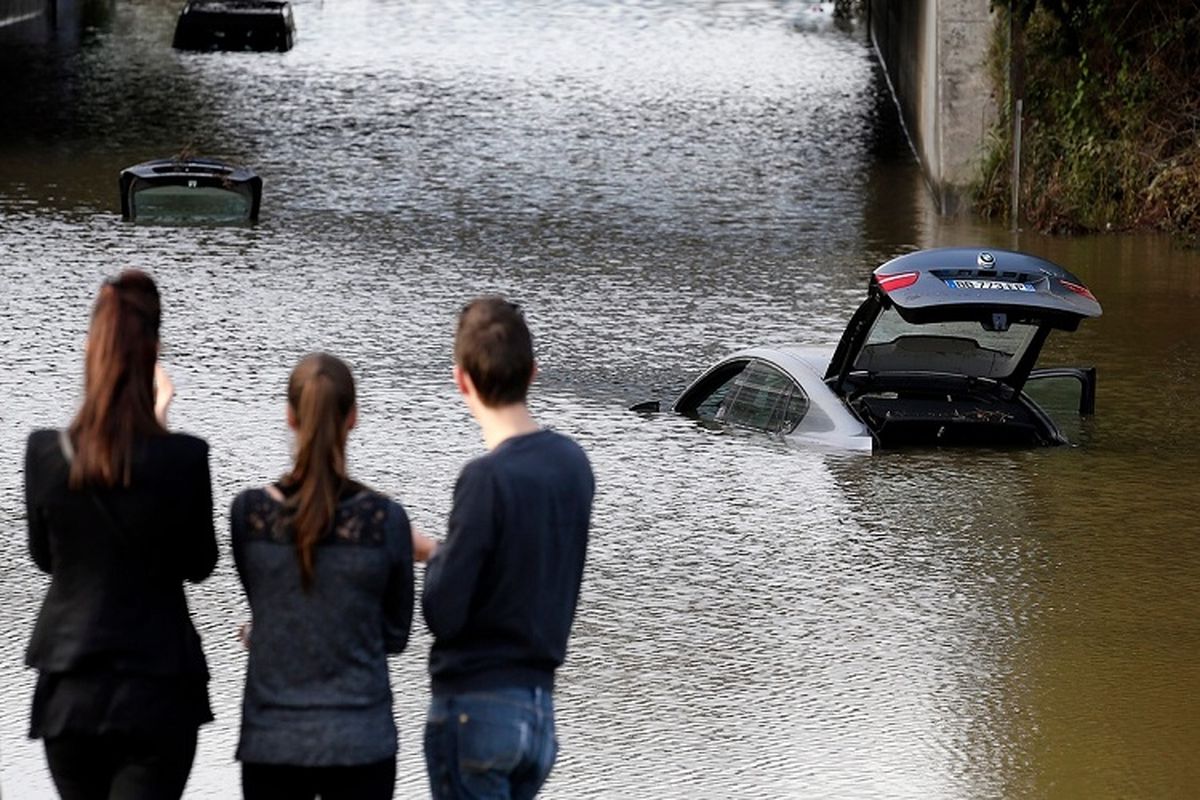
(987, 260)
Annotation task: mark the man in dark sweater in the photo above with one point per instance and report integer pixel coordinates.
(500, 592)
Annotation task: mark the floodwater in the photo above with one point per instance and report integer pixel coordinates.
(656, 183)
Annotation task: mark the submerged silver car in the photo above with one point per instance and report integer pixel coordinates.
(941, 352)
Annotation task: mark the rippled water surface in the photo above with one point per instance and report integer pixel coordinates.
(656, 184)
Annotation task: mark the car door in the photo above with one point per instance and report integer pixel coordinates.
(1065, 394)
(1071, 389)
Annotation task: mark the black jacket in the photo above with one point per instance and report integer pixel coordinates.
(118, 559)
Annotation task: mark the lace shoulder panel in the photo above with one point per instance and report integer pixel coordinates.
(262, 517)
(361, 519)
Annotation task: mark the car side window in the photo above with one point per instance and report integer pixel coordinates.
(763, 398)
(794, 411)
(708, 409)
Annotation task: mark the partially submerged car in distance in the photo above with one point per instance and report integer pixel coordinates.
(235, 25)
(941, 352)
(190, 190)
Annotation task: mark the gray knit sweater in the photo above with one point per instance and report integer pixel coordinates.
(317, 690)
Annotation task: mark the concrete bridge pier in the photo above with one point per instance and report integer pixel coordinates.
(934, 54)
(46, 22)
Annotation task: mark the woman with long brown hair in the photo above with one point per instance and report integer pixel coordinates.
(120, 515)
(327, 568)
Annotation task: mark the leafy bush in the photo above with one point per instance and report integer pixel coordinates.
(1111, 136)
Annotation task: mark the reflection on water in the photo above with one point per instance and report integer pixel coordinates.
(657, 185)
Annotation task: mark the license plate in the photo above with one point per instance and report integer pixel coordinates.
(1004, 286)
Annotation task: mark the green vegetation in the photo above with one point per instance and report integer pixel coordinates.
(1111, 132)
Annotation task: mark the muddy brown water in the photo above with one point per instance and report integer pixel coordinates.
(656, 184)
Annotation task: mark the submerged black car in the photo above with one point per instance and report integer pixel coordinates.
(235, 25)
(188, 189)
(942, 352)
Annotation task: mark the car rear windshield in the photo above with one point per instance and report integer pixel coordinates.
(191, 204)
(958, 348)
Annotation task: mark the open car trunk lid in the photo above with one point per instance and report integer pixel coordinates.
(982, 315)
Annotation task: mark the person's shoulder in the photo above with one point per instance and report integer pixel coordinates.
(561, 439)
(252, 500)
(381, 518)
(564, 445)
(43, 446)
(176, 447)
(361, 494)
(478, 474)
(42, 440)
(374, 501)
(571, 462)
(478, 467)
(179, 450)
(186, 443)
(394, 517)
(375, 498)
(250, 493)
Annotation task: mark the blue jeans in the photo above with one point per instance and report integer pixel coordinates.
(491, 745)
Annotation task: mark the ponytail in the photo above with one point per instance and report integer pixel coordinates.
(321, 398)
(118, 397)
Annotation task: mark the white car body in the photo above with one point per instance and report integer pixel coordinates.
(827, 421)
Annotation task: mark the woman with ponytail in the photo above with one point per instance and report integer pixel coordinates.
(120, 515)
(327, 566)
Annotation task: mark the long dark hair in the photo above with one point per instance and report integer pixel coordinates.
(118, 394)
(321, 398)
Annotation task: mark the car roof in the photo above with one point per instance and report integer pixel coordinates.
(803, 365)
(170, 169)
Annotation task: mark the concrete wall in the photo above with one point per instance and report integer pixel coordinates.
(933, 52)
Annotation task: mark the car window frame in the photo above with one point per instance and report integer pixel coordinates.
(779, 420)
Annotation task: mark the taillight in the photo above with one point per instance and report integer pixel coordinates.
(1079, 289)
(901, 280)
